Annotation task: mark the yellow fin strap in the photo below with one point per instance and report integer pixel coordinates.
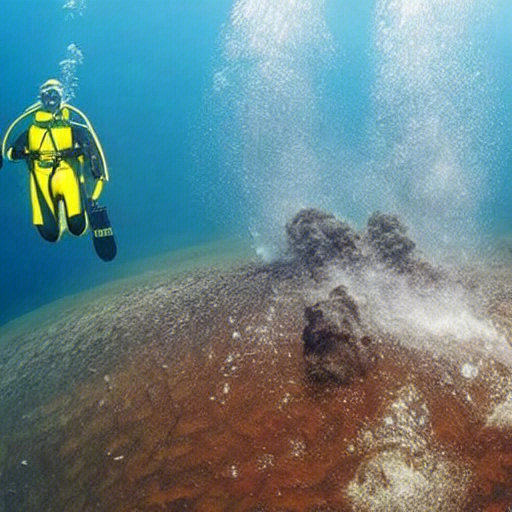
(98, 188)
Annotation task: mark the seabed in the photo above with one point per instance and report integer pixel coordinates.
(188, 390)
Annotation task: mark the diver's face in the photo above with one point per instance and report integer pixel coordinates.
(51, 100)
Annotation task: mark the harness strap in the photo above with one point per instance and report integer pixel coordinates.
(56, 164)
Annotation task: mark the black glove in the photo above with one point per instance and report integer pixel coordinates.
(70, 153)
(95, 167)
(19, 154)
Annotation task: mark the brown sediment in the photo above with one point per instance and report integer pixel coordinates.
(219, 415)
(270, 440)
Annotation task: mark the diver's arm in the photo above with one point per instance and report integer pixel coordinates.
(92, 133)
(28, 113)
(88, 148)
(19, 150)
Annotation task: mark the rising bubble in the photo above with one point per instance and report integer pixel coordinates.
(69, 70)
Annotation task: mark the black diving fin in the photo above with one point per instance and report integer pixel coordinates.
(101, 230)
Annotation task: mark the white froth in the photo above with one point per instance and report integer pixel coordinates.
(272, 53)
(469, 371)
(433, 98)
(501, 416)
(441, 319)
(402, 472)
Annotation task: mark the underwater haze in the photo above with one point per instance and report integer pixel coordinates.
(142, 81)
(310, 309)
(222, 119)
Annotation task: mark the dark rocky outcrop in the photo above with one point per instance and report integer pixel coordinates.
(335, 346)
(390, 245)
(388, 240)
(318, 238)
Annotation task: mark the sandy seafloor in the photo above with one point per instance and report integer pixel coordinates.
(185, 389)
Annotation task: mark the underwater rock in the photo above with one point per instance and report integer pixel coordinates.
(387, 239)
(335, 347)
(318, 238)
(386, 235)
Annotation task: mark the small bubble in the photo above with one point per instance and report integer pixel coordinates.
(388, 421)
(69, 70)
(469, 371)
(298, 448)
(233, 470)
(265, 461)
(75, 7)
(287, 398)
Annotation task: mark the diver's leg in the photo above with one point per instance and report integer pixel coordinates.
(43, 209)
(65, 185)
(49, 232)
(77, 224)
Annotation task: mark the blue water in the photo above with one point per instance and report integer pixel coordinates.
(216, 128)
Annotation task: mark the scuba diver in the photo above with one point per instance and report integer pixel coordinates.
(67, 169)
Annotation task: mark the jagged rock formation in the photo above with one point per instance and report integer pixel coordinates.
(335, 347)
(317, 238)
(390, 245)
(386, 236)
